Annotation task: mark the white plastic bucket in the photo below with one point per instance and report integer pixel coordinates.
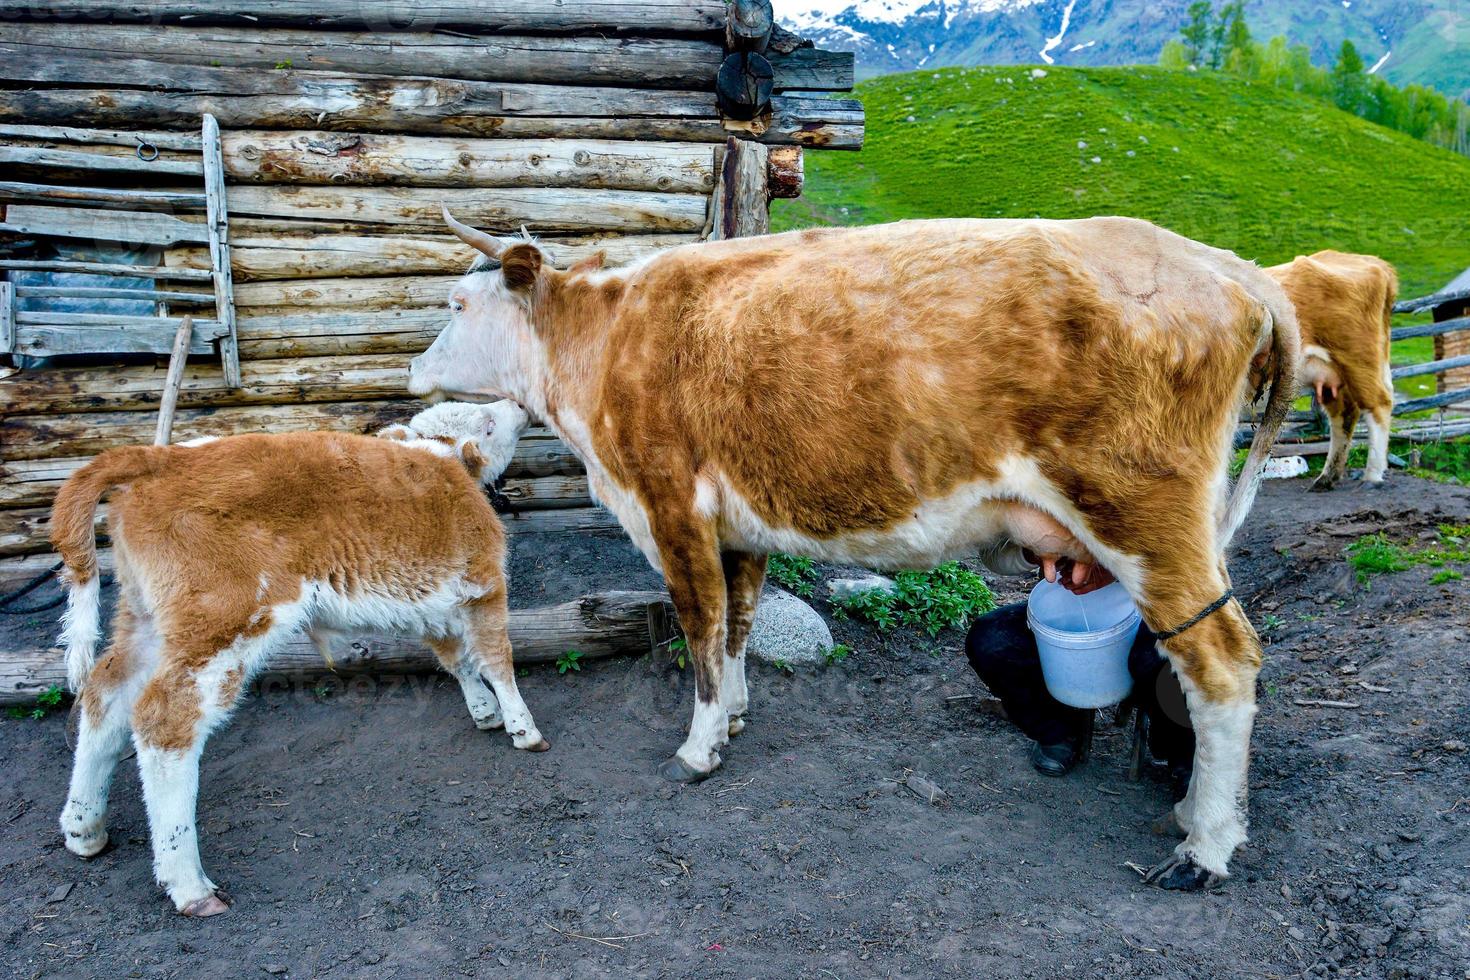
(1084, 642)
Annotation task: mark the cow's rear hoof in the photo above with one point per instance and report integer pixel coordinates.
(676, 770)
(1320, 485)
(737, 725)
(490, 724)
(1179, 873)
(1379, 484)
(204, 908)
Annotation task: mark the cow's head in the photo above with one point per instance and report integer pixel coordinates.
(488, 349)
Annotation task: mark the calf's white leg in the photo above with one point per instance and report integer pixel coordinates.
(488, 652)
(465, 666)
(171, 791)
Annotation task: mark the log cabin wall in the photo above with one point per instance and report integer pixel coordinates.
(625, 125)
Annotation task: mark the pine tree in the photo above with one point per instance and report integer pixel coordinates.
(1349, 83)
(1240, 49)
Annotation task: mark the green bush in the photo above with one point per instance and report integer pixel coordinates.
(951, 595)
(795, 575)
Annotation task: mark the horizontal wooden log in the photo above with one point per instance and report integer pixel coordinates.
(138, 227)
(496, 210)
(85, 434)
(109, 292)
(625, 61)
(135, 388)
(160, 139)
(598, 625)
(705, 17)
(278, 257)
(1440, 400)
(1431, 367)
(398, 292)
(431, 107)
(117, 162)
(319, 157)
(538, 456)
(1440, 298)
(103, 197)
(47, 334)
(109, 269)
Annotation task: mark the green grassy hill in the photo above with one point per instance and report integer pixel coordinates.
(1263, 172)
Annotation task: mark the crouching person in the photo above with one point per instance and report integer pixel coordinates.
(226, 547)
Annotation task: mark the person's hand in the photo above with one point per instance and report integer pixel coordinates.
(1077, 577)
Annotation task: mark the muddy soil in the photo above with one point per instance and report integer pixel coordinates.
(371, 831)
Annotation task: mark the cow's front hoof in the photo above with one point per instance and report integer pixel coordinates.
(541, 746)
(736, 726)
(87, 844)
(1322, 484)
(676, 770)
(203, 908)
(1179, 873)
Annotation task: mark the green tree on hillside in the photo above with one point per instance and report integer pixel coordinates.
(1349, 81)
(1240, 49)
(1197, 32)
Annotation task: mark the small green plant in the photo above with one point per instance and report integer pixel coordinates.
(951, 595)
(46, 702)
(1271, 623)
(1309, 617)
(1446, 575)
(679, 647)
(783, 665)
(795, 575)
(838, 653)
(322, 691)
(568, 661)
(523, 671)
(283, 65)
(1375, 554)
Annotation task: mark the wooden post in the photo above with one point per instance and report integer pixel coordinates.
(218, 220)
(741, 199)
(171, 382)
(7, 317)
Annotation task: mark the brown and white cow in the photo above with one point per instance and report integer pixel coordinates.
(226, 547)
(1344, 303)
(898, 395)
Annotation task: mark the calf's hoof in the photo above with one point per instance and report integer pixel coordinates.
(203, 908)
(737, 725)
(86, 845)
(1179, 873)
(490, 724)
(541, 745)
(676, 770)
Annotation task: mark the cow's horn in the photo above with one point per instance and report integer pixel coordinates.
(483, 241)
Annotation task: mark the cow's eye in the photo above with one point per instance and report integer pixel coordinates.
(456, 306)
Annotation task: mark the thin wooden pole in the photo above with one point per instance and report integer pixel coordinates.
(175, 377)
(217, 217)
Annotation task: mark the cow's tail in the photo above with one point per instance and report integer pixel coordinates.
(73, 517)
(1280, 320)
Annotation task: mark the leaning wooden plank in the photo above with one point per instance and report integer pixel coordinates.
(1440, 400)
(302, 257)
(103, 197)
(1431, 367)
(435, 107)
(319, 157)
(500, 210)
(217, 218)
(635, 62)
(107, 269)
(598, 625)
(138, 227)
(168, 399)
(135, 387)
(541, 16)
(74, 161)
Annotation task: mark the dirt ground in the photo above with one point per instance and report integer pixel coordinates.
(373, 832)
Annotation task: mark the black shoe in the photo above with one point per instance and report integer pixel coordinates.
(1055, 760)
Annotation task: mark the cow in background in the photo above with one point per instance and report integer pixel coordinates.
(899, 395)
(1344, 303)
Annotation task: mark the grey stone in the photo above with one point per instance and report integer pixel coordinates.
(788, 631)
(846, 588)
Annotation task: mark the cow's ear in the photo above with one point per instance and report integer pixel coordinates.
(591, 263)
(521, 264)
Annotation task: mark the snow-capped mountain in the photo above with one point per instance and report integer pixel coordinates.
(1407, 40)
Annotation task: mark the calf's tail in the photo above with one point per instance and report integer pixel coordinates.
(73, 535)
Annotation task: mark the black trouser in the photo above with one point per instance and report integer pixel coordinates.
(1002, 650)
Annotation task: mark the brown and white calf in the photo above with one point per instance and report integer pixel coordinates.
(899, 395)
(225, 548)
(1344, 303)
